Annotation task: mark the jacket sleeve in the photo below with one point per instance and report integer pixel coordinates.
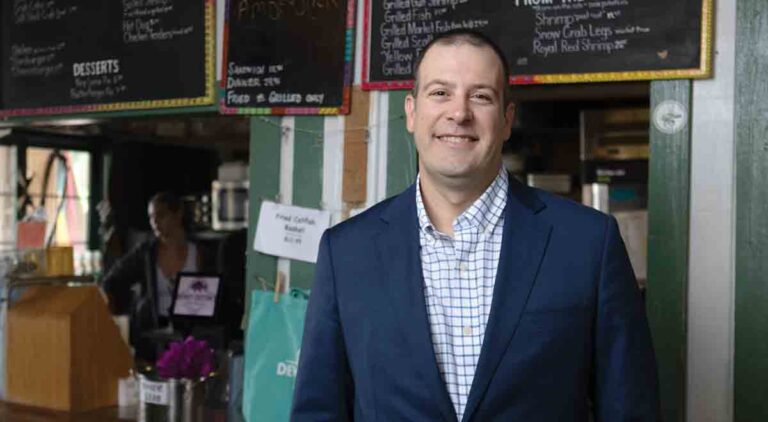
(323, 389)
(127, 271)
(625, 378)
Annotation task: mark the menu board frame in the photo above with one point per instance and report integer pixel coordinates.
(208, 99)
(703, 70)
(349, 65)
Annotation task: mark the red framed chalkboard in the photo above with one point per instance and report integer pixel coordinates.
(547, 41)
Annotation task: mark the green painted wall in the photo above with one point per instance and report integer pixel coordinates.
(307, 182)
(264, 167)
(401, 154)
(668, 208)
(751, 119)
(264, 176)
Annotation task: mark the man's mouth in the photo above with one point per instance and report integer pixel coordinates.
(456, 139)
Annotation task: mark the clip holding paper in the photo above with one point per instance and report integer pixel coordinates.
(278, 286)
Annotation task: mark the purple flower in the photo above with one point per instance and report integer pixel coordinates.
(186, 359)
(199, 286)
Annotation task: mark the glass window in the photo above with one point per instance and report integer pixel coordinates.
(66, 195)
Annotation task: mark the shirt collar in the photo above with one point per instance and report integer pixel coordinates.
(485, 213)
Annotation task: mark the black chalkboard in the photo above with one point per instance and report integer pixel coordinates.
(547, 41)
(65, 56)
(288, 57)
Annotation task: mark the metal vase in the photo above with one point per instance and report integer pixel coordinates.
(186, 404)
(176, 400)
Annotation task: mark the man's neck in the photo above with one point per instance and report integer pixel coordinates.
(444, 203)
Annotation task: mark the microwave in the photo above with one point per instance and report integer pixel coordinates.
(229, 205)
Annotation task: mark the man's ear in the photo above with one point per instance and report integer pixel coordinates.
(410, 110)
(509, 118)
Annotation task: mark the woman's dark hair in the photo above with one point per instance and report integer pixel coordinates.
(174, 204)
(170, 200)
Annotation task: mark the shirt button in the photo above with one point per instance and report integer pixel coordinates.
(467, 330)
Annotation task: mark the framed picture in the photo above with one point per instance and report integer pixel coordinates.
(196, 295)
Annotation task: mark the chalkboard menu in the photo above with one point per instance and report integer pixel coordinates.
(288, 57)
(64, 56)
(547, 41)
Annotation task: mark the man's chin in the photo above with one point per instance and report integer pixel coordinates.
(459, 176)
(458, 171)
(454, 177)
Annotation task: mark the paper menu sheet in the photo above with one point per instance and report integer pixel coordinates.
(290, 232)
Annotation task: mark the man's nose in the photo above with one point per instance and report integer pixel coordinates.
(460, 112)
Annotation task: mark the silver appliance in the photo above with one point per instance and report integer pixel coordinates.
(230, 205)
(614, 174)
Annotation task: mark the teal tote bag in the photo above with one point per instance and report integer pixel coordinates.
(272, 354)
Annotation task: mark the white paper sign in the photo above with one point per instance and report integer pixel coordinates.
(154, 392)
(196, 295)
(290, 232)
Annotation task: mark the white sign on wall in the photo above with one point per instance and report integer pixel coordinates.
(290, 232)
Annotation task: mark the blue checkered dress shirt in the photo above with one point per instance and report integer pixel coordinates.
(459, 275)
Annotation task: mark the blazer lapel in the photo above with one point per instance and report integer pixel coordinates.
(398, 245)
(523, 244)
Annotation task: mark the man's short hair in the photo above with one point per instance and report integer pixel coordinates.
(471, 37)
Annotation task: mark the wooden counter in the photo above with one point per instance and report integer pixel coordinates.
(10, 412)
(16, 413)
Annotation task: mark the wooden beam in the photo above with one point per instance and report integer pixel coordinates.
(356, 149)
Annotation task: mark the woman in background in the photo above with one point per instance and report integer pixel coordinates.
(142, 282)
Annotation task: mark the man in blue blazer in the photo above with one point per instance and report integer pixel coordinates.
(470, 296)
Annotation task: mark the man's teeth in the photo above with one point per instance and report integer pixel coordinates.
(455, 139)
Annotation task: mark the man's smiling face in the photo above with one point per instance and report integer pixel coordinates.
(458, 118)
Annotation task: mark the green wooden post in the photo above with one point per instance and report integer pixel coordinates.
(668, 208)
(307, 182)
(751, 119)
(401, 154)
(264, 177)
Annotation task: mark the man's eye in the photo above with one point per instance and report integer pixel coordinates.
(483, 97)
(438, 93)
